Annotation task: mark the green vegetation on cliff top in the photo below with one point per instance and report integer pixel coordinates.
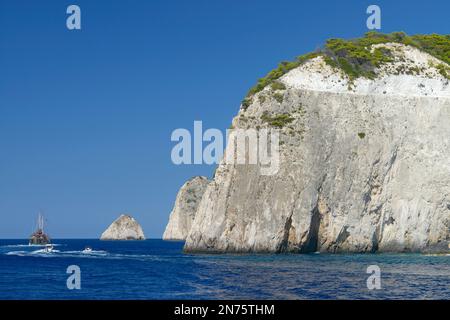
(354, 58)
(278, 121)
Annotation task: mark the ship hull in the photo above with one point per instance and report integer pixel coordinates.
(39, 239)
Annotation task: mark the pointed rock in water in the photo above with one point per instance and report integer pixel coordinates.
(123, 228)
(364, 162)
(185, 208)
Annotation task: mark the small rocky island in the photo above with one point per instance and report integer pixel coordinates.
(124, 228)
(185, 207)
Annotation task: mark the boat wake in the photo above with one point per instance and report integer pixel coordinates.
(57, 253)
(99, 254)
(28, 245)
(45, 251)
(88, 253)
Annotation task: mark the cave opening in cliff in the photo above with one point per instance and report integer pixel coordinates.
(311, 244)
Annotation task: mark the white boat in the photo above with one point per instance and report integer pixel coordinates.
(48, 248)
(87, 250)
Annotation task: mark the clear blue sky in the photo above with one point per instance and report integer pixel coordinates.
(86, 116)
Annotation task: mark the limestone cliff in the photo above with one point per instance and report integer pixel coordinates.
(185, 208)
(123, 228)
(364, 163)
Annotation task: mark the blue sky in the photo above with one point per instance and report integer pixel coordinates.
(86, 116)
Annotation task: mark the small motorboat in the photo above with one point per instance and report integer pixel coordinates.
(49, 248)
(87, 250)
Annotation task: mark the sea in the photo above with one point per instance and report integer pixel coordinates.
(157, 269)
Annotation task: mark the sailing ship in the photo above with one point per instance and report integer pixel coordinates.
(39, 237)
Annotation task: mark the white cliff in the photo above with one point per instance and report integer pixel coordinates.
(185, 208)
(364, 165)
(123, 228)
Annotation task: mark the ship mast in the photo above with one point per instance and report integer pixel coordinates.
(41, 222)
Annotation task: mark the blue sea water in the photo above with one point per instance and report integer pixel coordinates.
(156, 269)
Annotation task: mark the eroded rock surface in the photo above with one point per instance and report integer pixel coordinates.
(185, 208)
(364, 166)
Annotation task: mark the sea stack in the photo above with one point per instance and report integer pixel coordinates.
(364, 155)
(185, 208)
(124, 228)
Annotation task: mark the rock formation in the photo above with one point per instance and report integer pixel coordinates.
(364, 162)
(186, 204)
(123, 228)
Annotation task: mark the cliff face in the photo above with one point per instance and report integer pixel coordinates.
(185, 208)
(364, 165)
(123, 228)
